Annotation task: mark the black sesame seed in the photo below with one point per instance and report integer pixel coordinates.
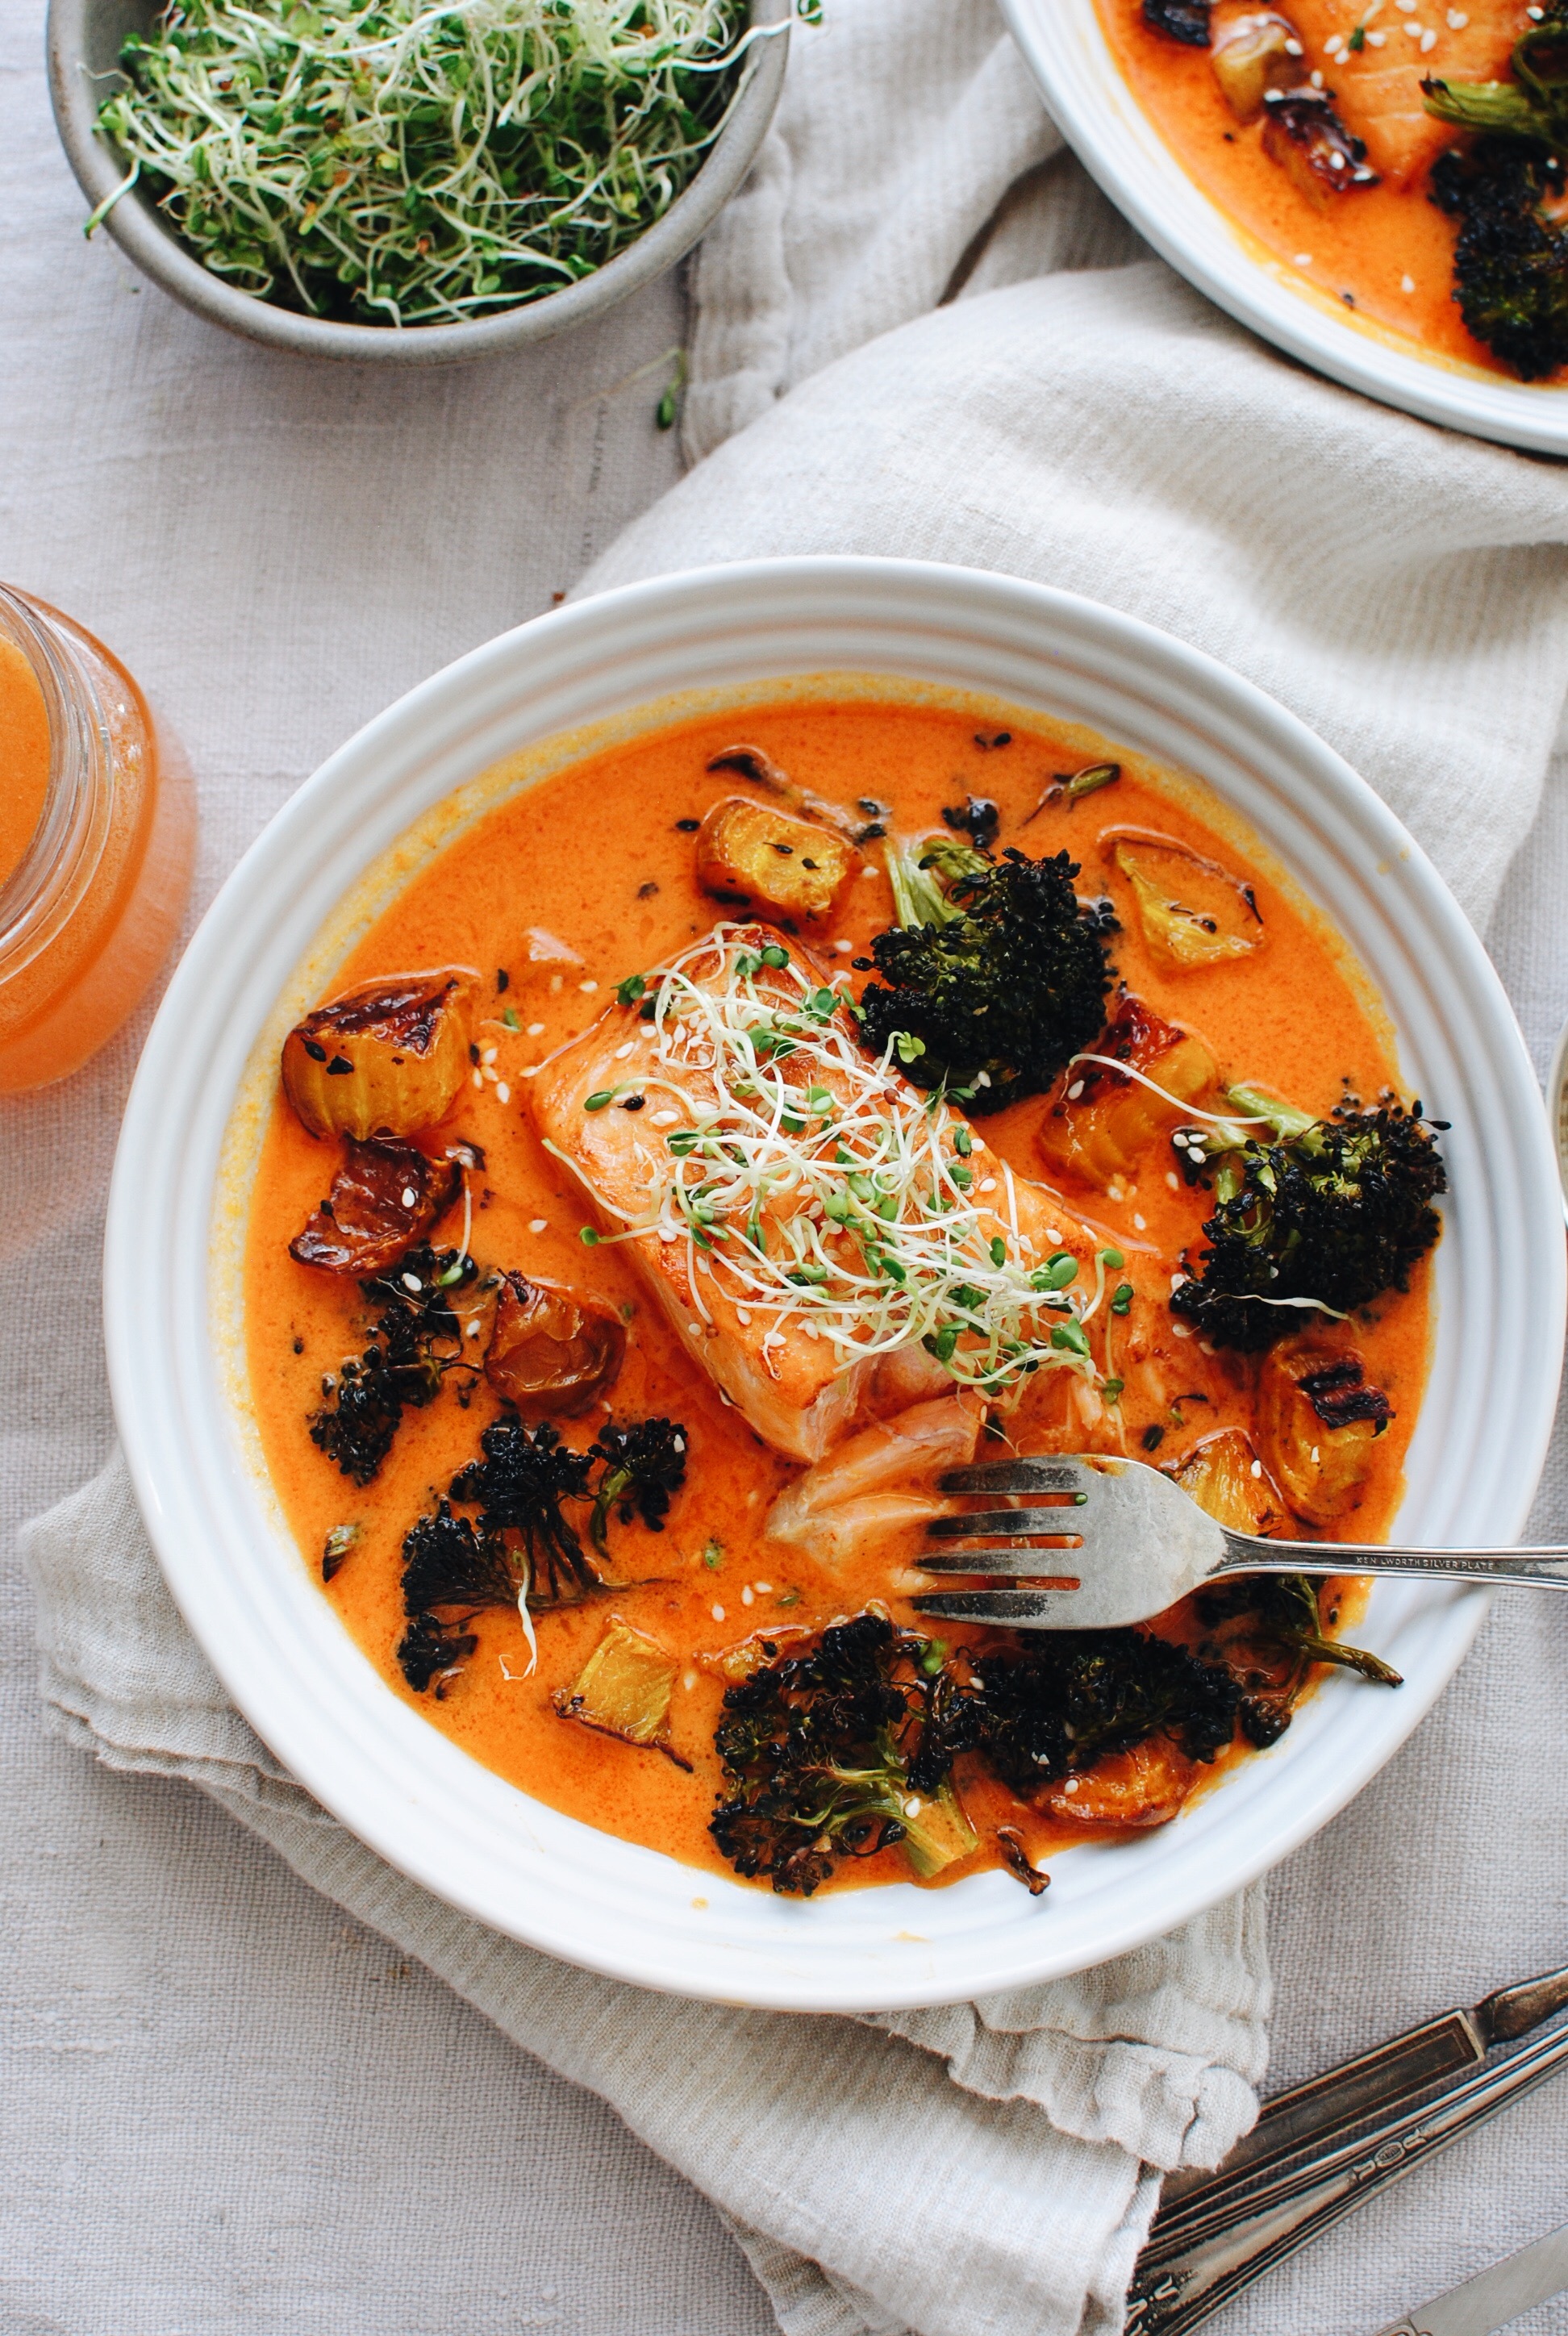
(688, 826)
(340, 1067)
(317, 1054)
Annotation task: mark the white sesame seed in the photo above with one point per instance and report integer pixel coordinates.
(743, 1314)
(868, 871)
(913, 1806)
(1333, 44)
(1428, 41)
(1407, 284)
(1173, 1180)
(718, 1613)
(1071, 1786)
(1314, 1456)
(502, 1092)
(1053, 1232)
(748, 1596)
(773, 1337)
(1375, 40)
(1140, 1223)
(473, 1329)
(987, 1184)
(535, 1029)
(1458, 20)
(693, 1329)
(1074, 1091)
(1303, 260)
(1316, 79)
(588, 988)
(1337, 160)
(622, 1051)
(491, 1073)
(1177, 1279)
(539, 1224)
(488, 1054)
(1415, 32)
(412, 1282)
(1292, 48)
(765, 1589)
(410, 1197)
(842, 948)
(478, 1078)
(531, 1070)
(1182, 1329)
(1257, 1467)
(664, 1119)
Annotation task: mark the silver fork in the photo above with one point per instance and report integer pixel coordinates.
(1117, 1541)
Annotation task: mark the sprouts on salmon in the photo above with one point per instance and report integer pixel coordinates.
(819, 1189)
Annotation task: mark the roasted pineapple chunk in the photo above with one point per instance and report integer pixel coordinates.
(771, 861)
(1226, 1477)
(1101, 1123)
(624, 1689)
(384, 1197)
(386, 1058)
(1252, 50)
(1318, 1420)
(1190, 912)
(551, 1353)
(1143, 1785)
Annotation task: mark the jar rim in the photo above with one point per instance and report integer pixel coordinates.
(67, 847)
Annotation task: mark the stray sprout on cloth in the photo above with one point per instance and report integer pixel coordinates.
(398, 164)
(819, 1190)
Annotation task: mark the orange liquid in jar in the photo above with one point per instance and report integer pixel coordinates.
(23, 757)
(87, 918)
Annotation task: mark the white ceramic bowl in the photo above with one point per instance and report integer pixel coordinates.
(249, 1596)
(1082, 83)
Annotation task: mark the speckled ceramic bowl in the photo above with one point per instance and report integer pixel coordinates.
(86, 37)
(532, 701)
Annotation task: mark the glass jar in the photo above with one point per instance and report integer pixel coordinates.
(96, 844)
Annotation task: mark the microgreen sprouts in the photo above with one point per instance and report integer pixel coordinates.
(397, 163)
(814, 1187)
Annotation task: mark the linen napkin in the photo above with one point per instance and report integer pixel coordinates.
(992, 2181)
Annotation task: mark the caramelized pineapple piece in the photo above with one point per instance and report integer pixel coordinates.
(1252, 50)
(1100, 1129)
(771, 860)
(1143, 1786)
(749, 1655)
(624, 1689)
(1226, 1478)
(1318, 1420)
(386, 1058)
(1190, 912)
(551, 1353)
(384, 1197)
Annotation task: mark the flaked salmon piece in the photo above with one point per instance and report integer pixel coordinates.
(1377, 88)
(772, 1261)
(879, 1482)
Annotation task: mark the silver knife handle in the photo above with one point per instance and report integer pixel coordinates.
(1179, 2282)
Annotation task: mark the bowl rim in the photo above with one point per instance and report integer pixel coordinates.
(157, 249)
(251, 1600)
(1065, 47)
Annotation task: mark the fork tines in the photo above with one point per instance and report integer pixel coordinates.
(1020, 1476)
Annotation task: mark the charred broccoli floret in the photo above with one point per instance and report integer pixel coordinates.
(1268, 1632)
(1179, 20)
(644, 1467)
(816, 1749)
(1045, 1710)
(995, 972)
(1329, 1214)
(416, 1339)
(518, 1487)
(524, 1549)
(1510, 260)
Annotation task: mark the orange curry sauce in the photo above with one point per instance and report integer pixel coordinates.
(1385, 251)
(600, 855)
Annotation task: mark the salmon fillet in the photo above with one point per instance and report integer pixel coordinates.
(1378, 88)
(778, 1293)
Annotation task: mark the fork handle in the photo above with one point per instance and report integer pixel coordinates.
(1245, 1553)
